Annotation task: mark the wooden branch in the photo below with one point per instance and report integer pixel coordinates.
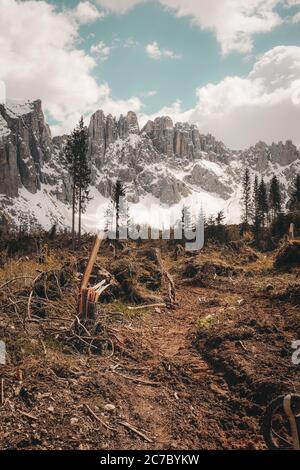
(137, 380)
(15, 279)
(136, 431)
(2, 392)
(91, 261)
(97, 418)
(165, 273)
(140, 307)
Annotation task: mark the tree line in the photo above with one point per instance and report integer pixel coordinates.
(264, 211)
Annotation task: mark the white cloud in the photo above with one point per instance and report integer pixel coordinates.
(234, 22)
(101, 50)
(296, 18)
(130, 43)
(148, 94)
(153, 50)
(41, 59)
(151, 93)
(119, 6)
(265, 105)
(86, 12)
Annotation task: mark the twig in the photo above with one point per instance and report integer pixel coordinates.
(15, 279)
(137, 380)
(140, 307)
(29, 305)
(2, 392)
(28, 415)
(242, 346)
(136, 431)
(97, 418)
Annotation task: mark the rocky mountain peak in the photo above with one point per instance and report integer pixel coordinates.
(132, 121)
(165, 161)
(25, 145)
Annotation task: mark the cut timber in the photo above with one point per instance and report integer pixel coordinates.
(140, 307)
(88, 296)
(292, 239)
(91, 261)
(167, 275)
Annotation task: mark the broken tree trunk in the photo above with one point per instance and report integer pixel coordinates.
(88, 296)
(165, 274)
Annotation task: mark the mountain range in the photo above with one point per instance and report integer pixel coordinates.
(162, 164)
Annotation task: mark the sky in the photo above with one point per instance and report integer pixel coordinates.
(232, 67)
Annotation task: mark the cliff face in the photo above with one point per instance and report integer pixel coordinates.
(163, 160)
(24, 148)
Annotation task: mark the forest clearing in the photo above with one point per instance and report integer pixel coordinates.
(144, 373)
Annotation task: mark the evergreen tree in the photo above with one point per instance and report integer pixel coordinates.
(84, 174)
(294, 202)
(246, 198)
(186, 221)
(109, 217)
(118, 192)
(220, 229)
(76, 159)
(255, 212)
(210, 228)
(263, 207)
(274, 197)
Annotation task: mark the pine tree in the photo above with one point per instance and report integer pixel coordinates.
(246, 198)
(117, 193)
(294, 202)
(274, 197)
(186, 220)
(220, 229)
(263, 207)
(255, 197)
(211, 228)
(84, 174)
(76, 159)
(255, 211)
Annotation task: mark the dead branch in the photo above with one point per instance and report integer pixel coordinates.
(165, 273)
(28, 415)
(2, 392)
(13, 280)
(140, 307)
(136, 431)
(97, 418)
(137, 380)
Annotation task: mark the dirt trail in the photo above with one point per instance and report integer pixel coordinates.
(196, 377)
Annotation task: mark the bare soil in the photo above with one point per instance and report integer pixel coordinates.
(195, 377)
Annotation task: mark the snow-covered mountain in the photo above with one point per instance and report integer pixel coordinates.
(163, 166)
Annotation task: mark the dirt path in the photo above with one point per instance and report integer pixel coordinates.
(186, 407)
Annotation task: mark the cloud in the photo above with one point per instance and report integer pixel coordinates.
(265, 105)
(101, 50)
(233, 22)
(153, 50)
(119, 6)
(296, 18)
(85, 12)
(41, 59)
(130, 43)
(148, 94)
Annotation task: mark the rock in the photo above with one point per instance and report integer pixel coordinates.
(109, 407)
(25, 149)
(167, 160)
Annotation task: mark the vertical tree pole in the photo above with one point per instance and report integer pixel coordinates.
(88, 270)
(291, 232)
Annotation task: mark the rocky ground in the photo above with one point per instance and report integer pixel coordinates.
(198, 376)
